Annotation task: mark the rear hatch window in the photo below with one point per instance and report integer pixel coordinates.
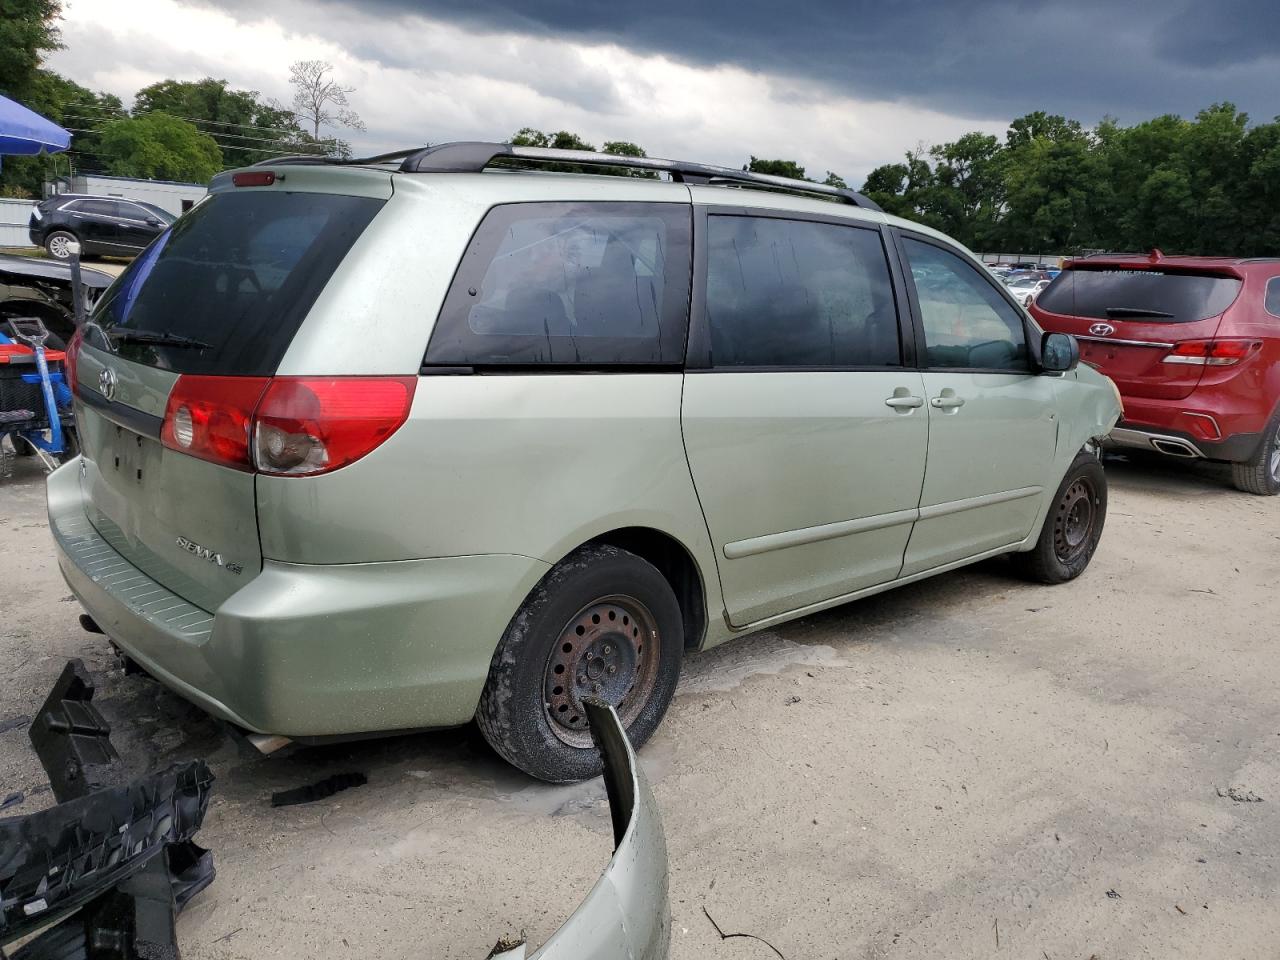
(1151, 296)
(224, 290)
(1130, 320)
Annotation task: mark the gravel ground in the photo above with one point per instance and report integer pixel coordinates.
(967, 767)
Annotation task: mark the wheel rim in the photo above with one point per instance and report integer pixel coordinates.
(1275, 456)
(1074, 520)
(609, 650)
(58, 247)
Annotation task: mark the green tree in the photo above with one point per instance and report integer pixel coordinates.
(560, 140)
(775, 168)
(28, 30)
(158, 146)
(246, 128)
(835, 180)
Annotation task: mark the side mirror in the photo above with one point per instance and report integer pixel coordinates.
(1059, 353)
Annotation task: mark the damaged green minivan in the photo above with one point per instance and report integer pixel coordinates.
(396, 443)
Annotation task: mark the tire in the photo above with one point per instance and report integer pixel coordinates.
(1260, 474)
(1073, 527)
(612, 600)
(56, 241)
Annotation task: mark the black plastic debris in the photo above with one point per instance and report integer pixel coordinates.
(318, 790)
(72, 738)
(103, 874)
(12, 800)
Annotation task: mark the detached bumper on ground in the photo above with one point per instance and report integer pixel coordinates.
(304, 650)
(105, 872)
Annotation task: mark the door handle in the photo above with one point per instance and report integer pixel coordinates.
(947, 402)
(904, 403)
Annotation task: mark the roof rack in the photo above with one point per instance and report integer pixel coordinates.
(473, 156)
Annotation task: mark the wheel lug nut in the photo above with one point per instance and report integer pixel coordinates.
(613, 669)
(595, 688)
(608, 649)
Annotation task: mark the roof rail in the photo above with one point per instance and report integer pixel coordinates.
(474, 156)
(303, 159)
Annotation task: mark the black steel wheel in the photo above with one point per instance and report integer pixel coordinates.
(603, 623)
(610, 651)
(1073, 526)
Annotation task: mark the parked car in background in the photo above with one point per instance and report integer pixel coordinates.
(1026, 292)
(104, 226)
(587, 423)
(34, 287)
(1025, 287)
(1194, 345)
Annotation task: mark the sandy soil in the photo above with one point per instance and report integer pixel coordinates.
(974, 767)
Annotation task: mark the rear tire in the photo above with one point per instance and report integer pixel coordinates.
(1260, 474)
(604, 623)
(55, 244)
(1073, 527)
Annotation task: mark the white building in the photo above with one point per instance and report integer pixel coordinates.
(169, 195)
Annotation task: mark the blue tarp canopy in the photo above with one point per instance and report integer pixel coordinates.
(26, 133)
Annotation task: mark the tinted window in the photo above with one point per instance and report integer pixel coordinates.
(98, 208)
(237, 274)
(793, 293)
(583, 284)
(1273, 296)
(1148, 296)
(967, 323)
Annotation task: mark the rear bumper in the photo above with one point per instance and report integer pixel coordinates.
(1221, 421)
(1180, 443)
(305, 650)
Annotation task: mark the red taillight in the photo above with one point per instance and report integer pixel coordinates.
(212, 418)
(73, 356)
(310, 425)
(1212, 353)
(254, 178)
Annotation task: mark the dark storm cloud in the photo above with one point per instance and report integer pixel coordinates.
(992, 58)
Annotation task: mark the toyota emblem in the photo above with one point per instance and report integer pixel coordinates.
(107, 383)
(1102, 329)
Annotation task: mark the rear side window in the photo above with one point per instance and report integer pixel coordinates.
(794, 293)
(98, 208)
(570, 284)
(1146, 296)
(1273, 297)
(225, 288)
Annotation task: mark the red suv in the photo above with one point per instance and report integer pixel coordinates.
(1193, 343)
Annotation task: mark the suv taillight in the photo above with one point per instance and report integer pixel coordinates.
(1212, 353)
(286, 426)
(310, 425)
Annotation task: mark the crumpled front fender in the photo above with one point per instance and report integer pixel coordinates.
(626, 914)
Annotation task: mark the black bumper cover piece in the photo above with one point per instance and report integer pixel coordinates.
(109, 867)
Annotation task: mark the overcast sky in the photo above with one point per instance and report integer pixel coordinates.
(836, 86)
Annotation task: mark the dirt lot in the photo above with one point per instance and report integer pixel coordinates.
(974, 767)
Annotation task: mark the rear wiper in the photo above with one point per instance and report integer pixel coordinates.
(158, 339)
(1137, 312)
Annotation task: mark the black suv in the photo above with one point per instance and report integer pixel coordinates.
(111, 226)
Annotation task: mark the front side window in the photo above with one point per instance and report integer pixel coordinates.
(570, 284)
(967, 324)
(794, 293)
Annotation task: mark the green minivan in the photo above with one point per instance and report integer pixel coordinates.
(390, 444)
